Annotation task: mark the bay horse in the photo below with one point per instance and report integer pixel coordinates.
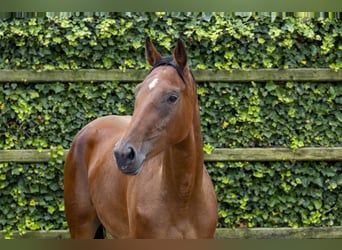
(143, 176)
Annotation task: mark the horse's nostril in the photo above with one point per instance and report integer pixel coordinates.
(124, 156)
(131, 153)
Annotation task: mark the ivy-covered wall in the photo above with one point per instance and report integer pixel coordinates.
(284, 114)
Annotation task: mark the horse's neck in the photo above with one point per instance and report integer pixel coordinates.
(183, 163)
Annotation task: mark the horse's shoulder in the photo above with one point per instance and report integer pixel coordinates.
(100, 126)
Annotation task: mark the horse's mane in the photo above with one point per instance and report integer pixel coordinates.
(168, 61)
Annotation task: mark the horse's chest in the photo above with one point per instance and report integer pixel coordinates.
(161, 218)
(163, 223)
(157, 211)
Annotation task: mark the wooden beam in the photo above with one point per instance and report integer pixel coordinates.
(263, 75)
(52, 234)
(82, 75)
(221, 233)
(100, 75)
(221, 154)
(280, 233)
(25, 155)
(276, 154)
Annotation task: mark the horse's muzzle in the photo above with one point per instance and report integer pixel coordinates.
(127, 159)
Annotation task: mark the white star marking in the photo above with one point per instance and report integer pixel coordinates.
(153, 83)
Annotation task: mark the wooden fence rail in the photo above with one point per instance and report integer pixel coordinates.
(221, 233)
(221, 154)
(99, 75)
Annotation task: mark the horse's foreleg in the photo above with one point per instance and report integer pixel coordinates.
(89, 229)
(80, 214)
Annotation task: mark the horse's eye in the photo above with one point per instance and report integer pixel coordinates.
(172, 98)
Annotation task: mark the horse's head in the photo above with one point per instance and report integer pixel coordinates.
(163, 112)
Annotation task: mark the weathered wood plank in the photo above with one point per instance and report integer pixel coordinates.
(280, 233)
(82, 75)
(100, 75)
(221, 154)
(25, 155)
(263, 75)
(221, 233)
(52, 234)
(276, 154)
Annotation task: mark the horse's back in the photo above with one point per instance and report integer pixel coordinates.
(89, 147)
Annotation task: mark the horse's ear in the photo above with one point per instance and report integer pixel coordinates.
(179, 54)
(151, 53)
